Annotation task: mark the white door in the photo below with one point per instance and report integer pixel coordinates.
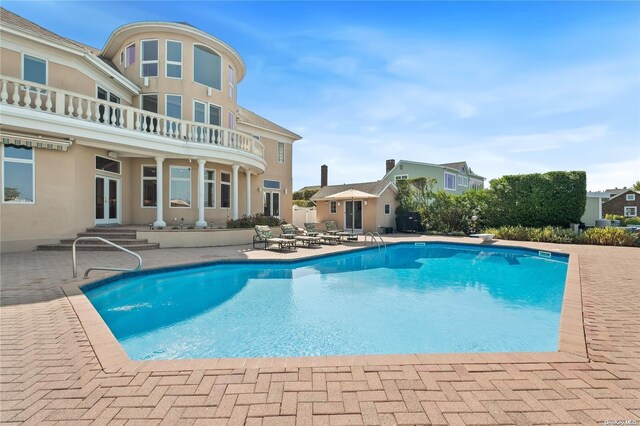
(271, 203)
(107, 200)
(353, 215)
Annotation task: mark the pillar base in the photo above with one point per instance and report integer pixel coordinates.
(202, 224)
(159, 224)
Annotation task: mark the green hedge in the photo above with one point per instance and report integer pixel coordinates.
(624, 221)
(251, 221)
(303, 203)
(537, 200)
(608, 236)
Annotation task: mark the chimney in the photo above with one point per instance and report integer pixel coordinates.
(390, 165)
(324, 172)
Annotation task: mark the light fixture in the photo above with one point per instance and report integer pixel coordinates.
(209, 92)
(286, 191)
(146, 81)
(365, 202)
(112, 154)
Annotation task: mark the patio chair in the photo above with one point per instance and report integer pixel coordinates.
(332, 229)
(289, 231)
(312, 231)
(265, 237)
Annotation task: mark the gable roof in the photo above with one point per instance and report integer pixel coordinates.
(624, 192)
(252, 119)
(16, 21)
(374, 188)
(457, 166)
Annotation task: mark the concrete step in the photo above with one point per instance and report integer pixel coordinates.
(110, 229)
(110, 235)
(119, 241)
(97, 247)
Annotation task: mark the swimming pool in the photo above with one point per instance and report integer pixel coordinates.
(409, 298)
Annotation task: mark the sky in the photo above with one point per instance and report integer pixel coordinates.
(509, 87)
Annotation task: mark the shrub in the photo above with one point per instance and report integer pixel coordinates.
(624, 221)
(414, 194)
(303, 203)
(609, 236)
(632, 221)
(251, 221)
(304, 194)
(454, 213)
(549, 199)
(547, 234)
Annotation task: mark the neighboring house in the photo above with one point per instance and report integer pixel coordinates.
(593, 207)
(625, 203)
(366, 214)
(145, 130)
(451, 177)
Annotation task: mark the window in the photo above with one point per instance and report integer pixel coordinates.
(121, 57)
(631, 197)
(206, 67)
(271, 184)
(333, 207)
(174, 59)
(107, 164)
(200, 115)
(280, 152)
(18, 175)
(112, 116)
(396, 178)
(210, 188)
(130, 55)
(232, 82)
(630, 211)
(449, 181)
(149, 186)
(387, 209)
(174, 106)
(225, 190)
(180, 187)
(475, 185)
(149, 103)
(34, 69)
(463, 181)
(149, 58)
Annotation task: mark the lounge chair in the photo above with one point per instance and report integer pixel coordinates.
(310, 227)
(332, 229)
(289, 231)
(265, 237)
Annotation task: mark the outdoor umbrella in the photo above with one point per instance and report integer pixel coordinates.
(351, 194)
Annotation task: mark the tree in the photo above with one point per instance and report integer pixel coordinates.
(636, 186)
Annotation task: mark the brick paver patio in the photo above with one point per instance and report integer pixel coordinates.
(50, 373)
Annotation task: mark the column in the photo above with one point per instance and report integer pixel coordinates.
(234, 191)
(248, 208)
(159, 197)
(201, 223)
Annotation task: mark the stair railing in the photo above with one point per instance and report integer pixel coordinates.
(102, 268)
(375, 238)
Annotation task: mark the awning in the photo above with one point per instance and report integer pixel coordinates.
(33, 141)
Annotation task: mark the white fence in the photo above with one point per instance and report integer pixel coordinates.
(302, 215)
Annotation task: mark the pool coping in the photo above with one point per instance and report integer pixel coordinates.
(113, 358)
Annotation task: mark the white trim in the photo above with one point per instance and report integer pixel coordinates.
(109, 92)
(171, 179)
(455, 182)
(231, 83)
(142, 179)
(193, 74)
(95, 159)
(268, 192)
(215, 189)
(402, 162)
(231, 120)
(107, 178)
(156, 61)
(167, 62)
(33, 174)
(635, 211)
(385, 209)
(206, 111)
(393, 186)
(46, 68)
(400, 177)
(344, 208)
(331, 205)
(462, 178)
(267, 130)
(142, 95)
(630, 197)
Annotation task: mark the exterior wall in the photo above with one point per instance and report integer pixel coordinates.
(186, 87)
(417, 170)
(616, 205)
(64, 199)
(372, 213)
(591, 211)
(387, 220)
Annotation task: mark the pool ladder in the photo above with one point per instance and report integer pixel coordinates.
(375, 238)
(101, 268)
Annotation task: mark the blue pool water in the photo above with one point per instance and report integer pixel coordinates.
(431, 298)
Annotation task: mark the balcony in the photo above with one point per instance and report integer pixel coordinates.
(174, 135)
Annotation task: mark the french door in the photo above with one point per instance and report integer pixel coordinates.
(107, 200)
(353, 215)
(271, 203)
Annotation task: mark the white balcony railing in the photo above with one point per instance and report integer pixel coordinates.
(38, 97)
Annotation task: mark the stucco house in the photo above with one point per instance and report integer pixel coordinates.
(454, 178)
(624, 203)
(146, 129)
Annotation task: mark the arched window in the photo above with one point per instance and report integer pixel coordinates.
(206, 67)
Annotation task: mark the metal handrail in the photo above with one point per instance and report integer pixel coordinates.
(373, 239)
(102, 268)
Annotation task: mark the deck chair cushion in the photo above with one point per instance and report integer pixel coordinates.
(331, 225)
(264, 232)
